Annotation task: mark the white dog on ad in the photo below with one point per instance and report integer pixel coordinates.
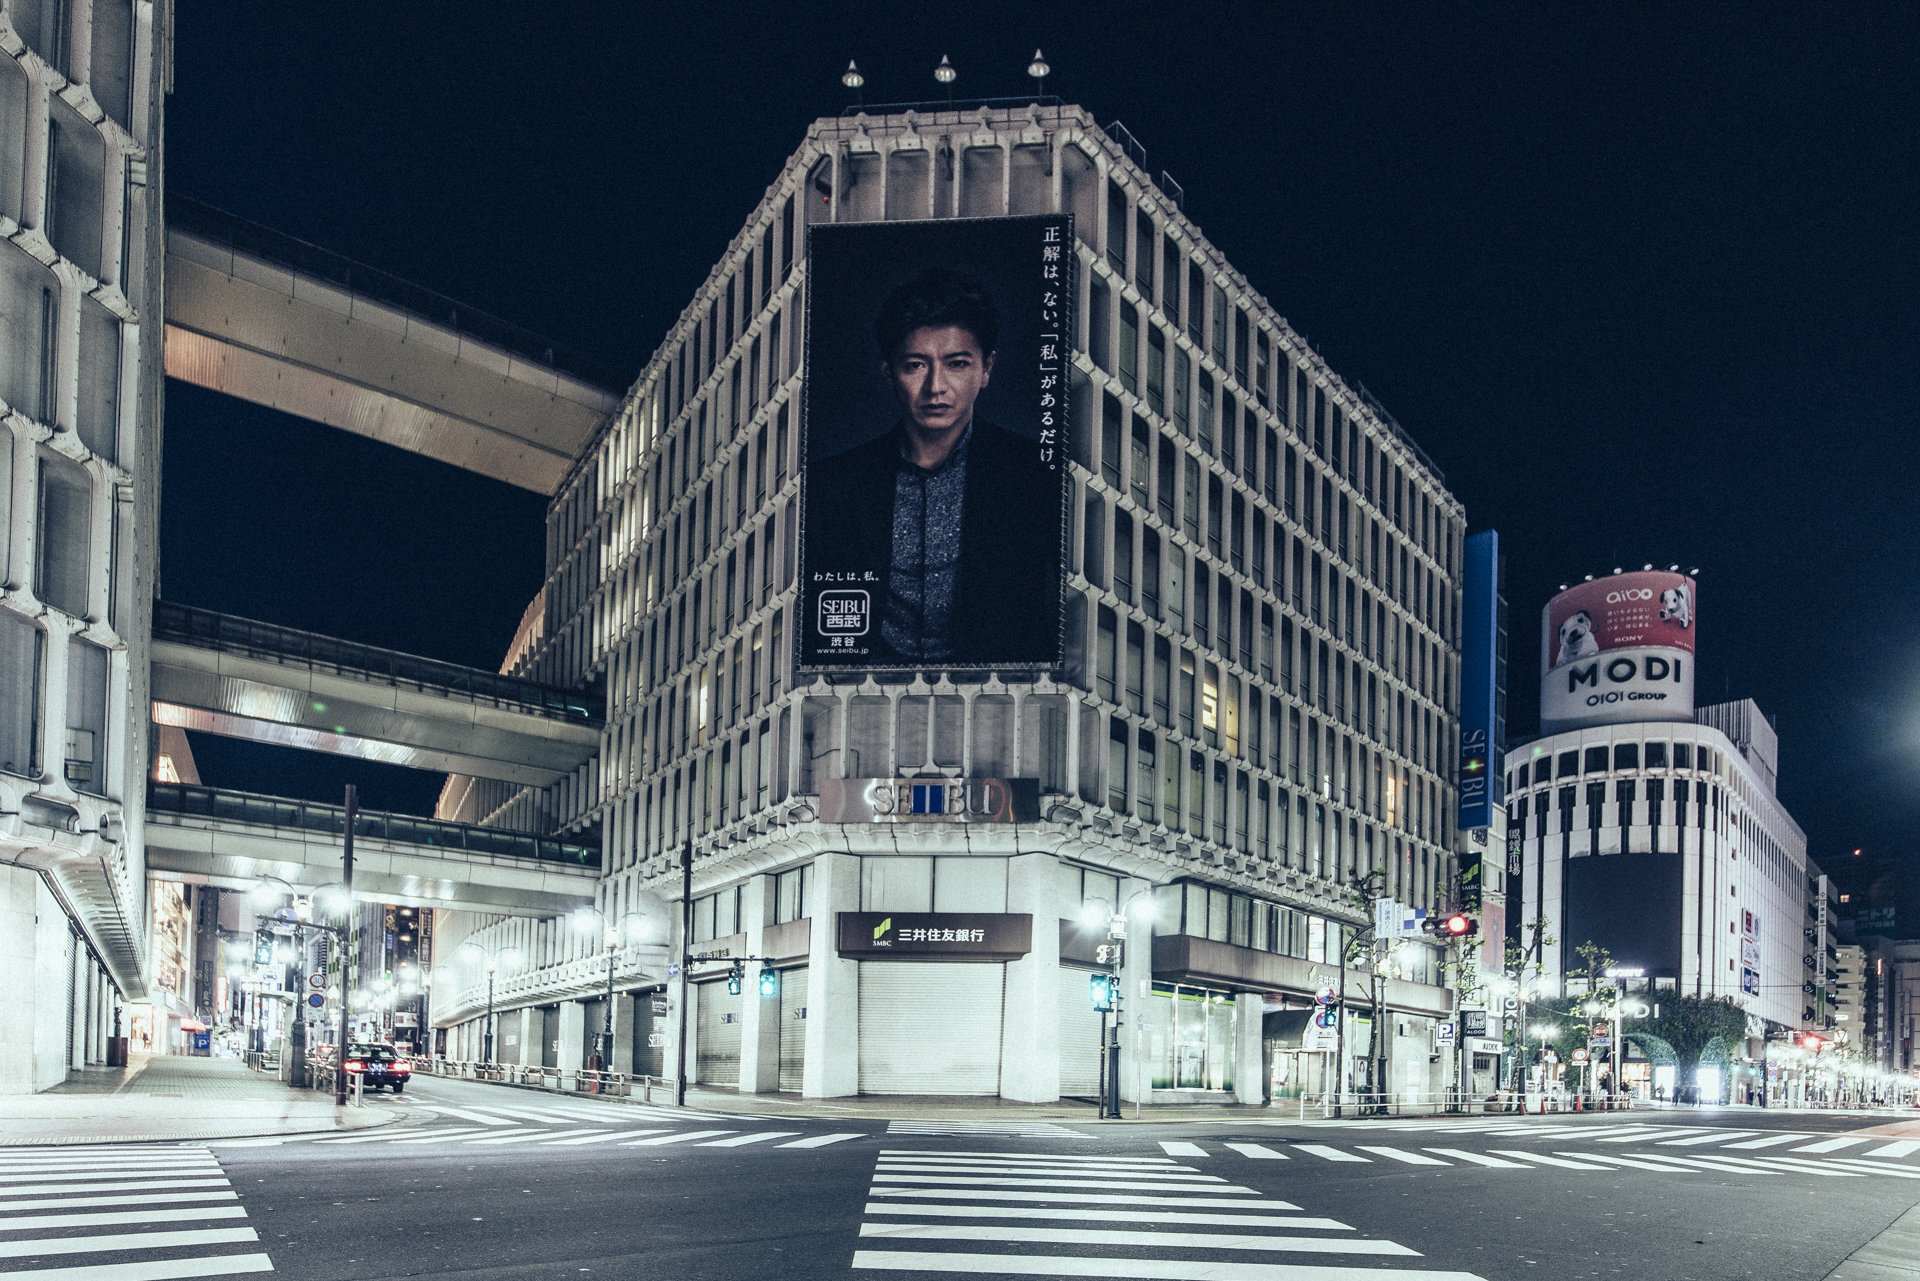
(1576, 639)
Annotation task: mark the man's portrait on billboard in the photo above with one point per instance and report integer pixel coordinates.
(935, 457)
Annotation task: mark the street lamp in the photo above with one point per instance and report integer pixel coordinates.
(946, 75)
(611, 935)
(1038, 69)
(510, 956)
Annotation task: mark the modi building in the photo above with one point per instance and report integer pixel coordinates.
(980, 558)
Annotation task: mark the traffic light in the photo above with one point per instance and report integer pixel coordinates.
(769, 981)
(733, 980)
(1457, 926)
(1100, 988)
(262, 947)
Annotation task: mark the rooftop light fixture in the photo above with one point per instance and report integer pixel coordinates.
(1038, 69)
(853, 80)
(946, 75)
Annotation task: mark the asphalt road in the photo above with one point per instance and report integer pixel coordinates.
(481, 1182)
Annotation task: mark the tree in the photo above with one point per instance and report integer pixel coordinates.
(1690, 1023)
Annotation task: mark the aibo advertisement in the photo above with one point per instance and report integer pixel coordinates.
(1618, 649)
(934, 444)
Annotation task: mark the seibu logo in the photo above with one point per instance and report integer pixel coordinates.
(1621, 671)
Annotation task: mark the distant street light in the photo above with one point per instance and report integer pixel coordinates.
(946, 75)
(1038, 69)
(853, 80)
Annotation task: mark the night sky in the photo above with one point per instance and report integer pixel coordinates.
(1641, 282)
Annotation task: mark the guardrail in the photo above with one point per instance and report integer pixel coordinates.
(1413, 1103)
(559, 1080)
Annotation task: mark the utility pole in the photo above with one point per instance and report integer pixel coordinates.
(686, 936)
(346, 954)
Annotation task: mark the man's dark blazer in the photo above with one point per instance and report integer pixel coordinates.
(1007, 604)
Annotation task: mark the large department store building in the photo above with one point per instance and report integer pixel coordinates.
(1256, 707)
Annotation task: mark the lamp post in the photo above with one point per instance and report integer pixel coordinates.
(1093, 912)
(492, 961)
(303, 908)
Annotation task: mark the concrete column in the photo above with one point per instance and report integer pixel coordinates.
(17, 999)
(573, 1035)
(1249, 1084)
(833, 984)
(759, 1015)
(690, 993)
(528, 1028)
(1030, 1026)
(623, 1015)
(1136, 986)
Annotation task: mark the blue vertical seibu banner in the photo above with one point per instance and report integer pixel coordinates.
(1478, 679)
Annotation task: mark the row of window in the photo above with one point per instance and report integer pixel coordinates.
(1623, 756)
(717, 915)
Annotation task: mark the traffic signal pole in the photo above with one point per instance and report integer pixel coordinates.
(686, 937)
(346, 954)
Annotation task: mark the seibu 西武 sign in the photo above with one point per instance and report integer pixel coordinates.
(935, 936)
(1618, 649)
(929, 800)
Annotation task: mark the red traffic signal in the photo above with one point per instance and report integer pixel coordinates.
(1459, 925)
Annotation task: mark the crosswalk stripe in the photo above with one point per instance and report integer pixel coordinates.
(529, 1136)
(970, 1181)
(1480, 1158)
(1770, 1141)
(1258, 1151)
(165, 1198)
(604, 1136)
(1665, 1132)
(37, 1221)
(1830, 1145)
(1876, 1167)
(684, 1136)
(820, 1140)
(1633, 1164)
(126, 1241)
(1802, 1165)
(1032, 1162)
(546, 1116)
(1082, 1198)
(1331, 1154)
(1295, 1221)
(1396, 1154)
(1182, 1149)
(1696, 1140)
(1543, 1159)
(482, 1117)
(1144, 1240)
(1145, 1161)
(90, 1169)
(1895, 1149)
(457, 1132)
(741, 1140)
(1726, 1164)
(1025, 1171)
(384, 1136)
(1054, 1265)
(45, 1189)
(160, 1269)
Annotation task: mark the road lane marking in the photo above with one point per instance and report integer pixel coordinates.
(37, 1221)
(819, 1140)
(960, 1162)
(1726, 1164)
(43, 1189)
(1258, 1151)
(1770, 1141)
(1297, 1222)
(1034, 1156)
(482, 1117)
(1547, 1160)
(1137, 1240)
(383, 1136)
(1182, 1149)
(167, 1198)
(1830, 1145)
(1895, 1149)
(941, 1167)
(1632, 1164)
(1330, 1154)
(741, 1140)
(126, 1241)
(1875, 1167)
(685, 1136)
(605, 1136)
(1053, 1265)
(1696, 1140)
(529, 1136)
(1665, 1131)
(1481, 1158)
(1409, 1158)
(461, 1132)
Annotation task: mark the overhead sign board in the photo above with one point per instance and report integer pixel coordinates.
(934, 800)
(1618, 649)
(935, 936)
(1479, 683)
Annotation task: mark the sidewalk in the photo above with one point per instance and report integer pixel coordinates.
(172, 1098)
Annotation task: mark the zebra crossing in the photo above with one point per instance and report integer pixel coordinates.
(122, 1214)
(1690, 1161)
(1797, 1142)
(1047, 1214)
(561, 1125)
(1002, 1129)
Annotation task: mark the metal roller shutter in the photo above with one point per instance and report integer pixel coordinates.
(930, 1027)
(717, 1045)
(793, 1028)
(1079, 1036)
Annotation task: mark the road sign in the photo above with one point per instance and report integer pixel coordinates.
(1446, 1033)
(1601, 1030)
(1325, 996)
(1579, 1056)
(316, 980)
(673, 969)
(316, 1000)
(1473, 1022)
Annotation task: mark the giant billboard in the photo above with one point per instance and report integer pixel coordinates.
(1479, 683)
(1618, 649)
(934, 444)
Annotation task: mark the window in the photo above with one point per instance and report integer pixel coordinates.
(1569, 764)
(1116, 764)
(1683, 755)
(790, 896)
(1111, 427)
(1164, 482)
(1157, 371)
(1104, 656)
(1142, 468)
(66, 524)
(1145, 238)
(1129, 353)
(1117, 229)
(1196, 305)
(1656, 756)
(1626, 756)
(1182, 381)
(1596, 760)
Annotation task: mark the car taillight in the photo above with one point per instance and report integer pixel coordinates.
(402, 1067)
(355, 1065)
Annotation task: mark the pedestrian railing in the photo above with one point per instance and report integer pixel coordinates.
(1418, 1103)
(559, 1080)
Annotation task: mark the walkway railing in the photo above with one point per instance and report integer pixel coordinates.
(560, 1080)
(205, 629)
(1414, 1103)
(196, 801)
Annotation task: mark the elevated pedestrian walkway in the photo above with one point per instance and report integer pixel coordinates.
(271, 684)
(232, 840)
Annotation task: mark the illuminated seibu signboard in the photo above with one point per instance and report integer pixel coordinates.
(929, 800)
